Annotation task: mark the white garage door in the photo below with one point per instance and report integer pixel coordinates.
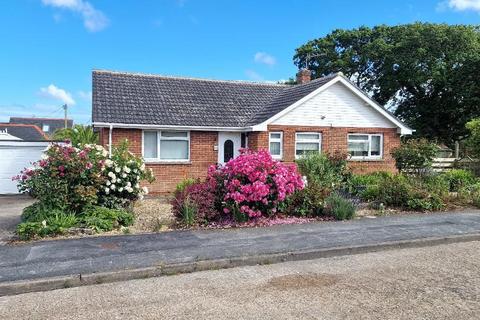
(14, 156)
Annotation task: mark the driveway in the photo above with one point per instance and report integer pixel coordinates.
(10, 210)
(440, 282)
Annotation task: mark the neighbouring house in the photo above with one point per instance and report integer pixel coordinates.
(47, 125)
(182, 125)
(20, 145)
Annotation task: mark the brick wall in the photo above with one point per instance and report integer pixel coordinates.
(168, 175)
(333, 140)
(202, 154)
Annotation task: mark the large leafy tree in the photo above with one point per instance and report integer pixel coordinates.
(427, 74)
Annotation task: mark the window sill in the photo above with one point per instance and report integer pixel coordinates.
(168, 162)
(366, 159)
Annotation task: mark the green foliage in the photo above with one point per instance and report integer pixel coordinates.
(428, 71)
(39, 222)
(79, 135)
(473, 141)
(105, 219)
(414, 155)
(458, 179)
(339, 207)
(325, 173)
(188, 212)
(184, 184)
(323, 170)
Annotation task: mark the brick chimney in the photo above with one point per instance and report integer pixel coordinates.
(304, 76)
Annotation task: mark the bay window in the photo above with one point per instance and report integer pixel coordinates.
(166, 145)
(307, 142)
(276, 144)
(365, 146)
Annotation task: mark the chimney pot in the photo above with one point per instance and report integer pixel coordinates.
(304, 76)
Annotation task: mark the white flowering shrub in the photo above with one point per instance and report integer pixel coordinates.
(124, 171)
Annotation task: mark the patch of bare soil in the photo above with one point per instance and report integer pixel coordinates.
(301, 281)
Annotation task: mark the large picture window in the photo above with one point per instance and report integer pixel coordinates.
(365, 146)
(276, 145)
(166, 145)
(307, 142)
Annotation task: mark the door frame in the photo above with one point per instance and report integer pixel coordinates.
(223, 136)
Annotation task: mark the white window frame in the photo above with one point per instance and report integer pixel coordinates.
(159, 138)
(270, 139)
(369, 156)
(297, 140)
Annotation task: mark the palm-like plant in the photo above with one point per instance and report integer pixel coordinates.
(79, 135)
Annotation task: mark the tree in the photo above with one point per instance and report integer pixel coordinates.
(427, 74)
(79, 135)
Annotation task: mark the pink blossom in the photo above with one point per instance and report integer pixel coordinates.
(61, 168)
(89, 165)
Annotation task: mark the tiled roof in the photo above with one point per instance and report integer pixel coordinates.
(26, 132)
(53, 123)
(132, 98)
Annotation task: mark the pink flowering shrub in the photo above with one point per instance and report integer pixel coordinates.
(253, 185)
(71, 179)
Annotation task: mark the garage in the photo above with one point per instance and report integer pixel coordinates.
(14, 156)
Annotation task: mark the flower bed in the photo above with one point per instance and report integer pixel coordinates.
(81, 188)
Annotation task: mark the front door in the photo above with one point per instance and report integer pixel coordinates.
(228, 145)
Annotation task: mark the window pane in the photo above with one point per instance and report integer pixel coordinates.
(358, 149)
(308, 136)
(275, 148)
(174, 134)
(150, 144)
(375, 147)
(357, 137)
(275, 135)
(306, 147)
(174, 150)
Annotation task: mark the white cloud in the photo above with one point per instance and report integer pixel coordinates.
(460, 5)
(252, 75)
(56, 93)
(265, 58)
(93, 19)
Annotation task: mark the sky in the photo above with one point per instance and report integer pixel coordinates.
(48, 48)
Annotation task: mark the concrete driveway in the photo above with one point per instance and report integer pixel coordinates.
(10, 210)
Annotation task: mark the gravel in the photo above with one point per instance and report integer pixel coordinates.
(441, 282)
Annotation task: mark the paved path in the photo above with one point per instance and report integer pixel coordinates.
(440, 282)
(10, 210)
(102, 254)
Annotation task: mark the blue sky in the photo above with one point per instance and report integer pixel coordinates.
(49, 47)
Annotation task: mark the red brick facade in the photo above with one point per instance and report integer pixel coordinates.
(202, 153)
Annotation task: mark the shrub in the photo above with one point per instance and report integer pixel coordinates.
(458, 178)
(339, 207)
(78, 136)
(198, 199)
(253, 184)
(184, 184)
(325, 171)
(105, 219)
(415, 155)
(473, 141)
(123, 173)
(40, 222)
(71, 179)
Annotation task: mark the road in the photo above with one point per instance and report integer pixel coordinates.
(441, 282)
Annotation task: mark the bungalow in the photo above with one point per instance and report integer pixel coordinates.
(182, 125)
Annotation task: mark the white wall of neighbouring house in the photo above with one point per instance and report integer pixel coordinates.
(336, 106)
